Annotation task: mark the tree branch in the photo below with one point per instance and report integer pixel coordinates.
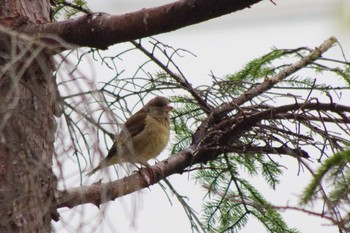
(104, 192)
(248, 121)
(218, 114)
(250, 202)
(211, 140)
(101, 30)
(270, 150)
(270, 82)
(100, 193)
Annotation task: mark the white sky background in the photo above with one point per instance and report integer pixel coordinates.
(222, 46)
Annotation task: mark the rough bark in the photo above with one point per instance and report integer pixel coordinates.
(27, 124)
(11, 11)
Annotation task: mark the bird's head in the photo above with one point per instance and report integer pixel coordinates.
(158, 107)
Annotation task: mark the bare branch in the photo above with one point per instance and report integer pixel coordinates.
(103, 192)
(270, 150)
(180, 79)
(101, 30)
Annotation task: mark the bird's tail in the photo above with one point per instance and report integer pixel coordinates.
(90, 173)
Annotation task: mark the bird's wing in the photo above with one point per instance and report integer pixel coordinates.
(133, 126)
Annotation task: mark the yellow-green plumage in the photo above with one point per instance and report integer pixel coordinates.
(144, 135)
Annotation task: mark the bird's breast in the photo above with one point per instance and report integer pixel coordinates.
(152, 140)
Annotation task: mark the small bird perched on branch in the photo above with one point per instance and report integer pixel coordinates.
(143, 137)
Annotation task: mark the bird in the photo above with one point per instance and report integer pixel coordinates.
(143, 136)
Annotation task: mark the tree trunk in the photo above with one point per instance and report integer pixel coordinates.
(27, 124)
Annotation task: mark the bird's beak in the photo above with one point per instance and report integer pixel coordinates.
(168, 108)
